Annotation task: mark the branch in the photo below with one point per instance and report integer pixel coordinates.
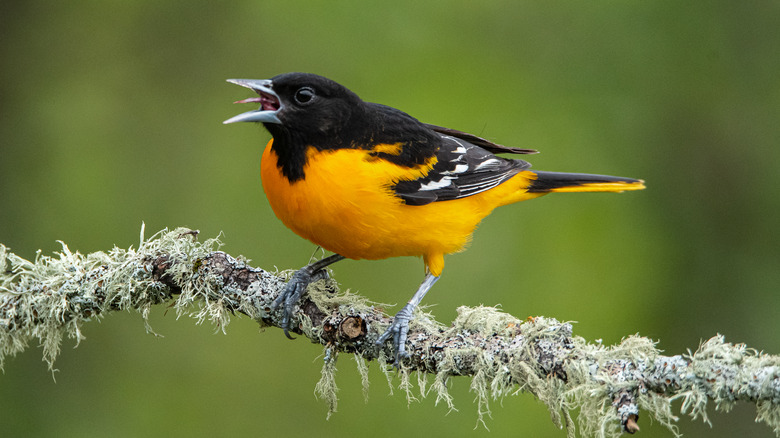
(52, 296)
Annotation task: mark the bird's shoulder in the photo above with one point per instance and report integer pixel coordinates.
(382, 124)
(461, 169)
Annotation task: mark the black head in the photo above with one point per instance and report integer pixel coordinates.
(302, 107)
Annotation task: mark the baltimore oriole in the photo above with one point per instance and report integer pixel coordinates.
(367, 181)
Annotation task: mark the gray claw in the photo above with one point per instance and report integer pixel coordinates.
(297, 285)
(293, 292)
(399, 330)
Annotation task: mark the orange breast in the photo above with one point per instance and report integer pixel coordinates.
(345, 205)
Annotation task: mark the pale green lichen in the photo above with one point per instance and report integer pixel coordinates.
(480, 386)
(50, 297)
(362, 368)
(386, 369)
(405, 384)
(326, 388)
(484, 320)
(493, 379)
(770, 414)
(593, 393)
(735, 372)
(442, 392)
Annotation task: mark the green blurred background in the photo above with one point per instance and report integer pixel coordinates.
(110, 115)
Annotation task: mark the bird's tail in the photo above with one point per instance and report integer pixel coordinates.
(547, 182)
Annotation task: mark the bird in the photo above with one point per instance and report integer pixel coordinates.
(367, 181)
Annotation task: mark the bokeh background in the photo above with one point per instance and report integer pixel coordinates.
(110, 115)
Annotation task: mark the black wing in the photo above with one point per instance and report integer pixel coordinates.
(479, 141)
(462, 169)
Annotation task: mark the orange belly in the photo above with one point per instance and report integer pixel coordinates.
(345, 205)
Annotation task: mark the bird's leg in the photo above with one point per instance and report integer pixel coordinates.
(400, 326)
(297, 285)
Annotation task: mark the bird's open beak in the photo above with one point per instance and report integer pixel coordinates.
(269, 102)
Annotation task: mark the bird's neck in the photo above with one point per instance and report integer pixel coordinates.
(291, 152)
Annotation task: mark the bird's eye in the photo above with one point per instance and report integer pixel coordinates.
(304, 95)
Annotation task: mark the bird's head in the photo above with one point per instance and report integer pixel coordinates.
(304, 105)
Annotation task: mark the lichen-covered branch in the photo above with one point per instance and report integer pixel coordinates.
(611, 386)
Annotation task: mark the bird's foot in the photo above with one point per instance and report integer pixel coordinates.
(398, 330)
(293, 292)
